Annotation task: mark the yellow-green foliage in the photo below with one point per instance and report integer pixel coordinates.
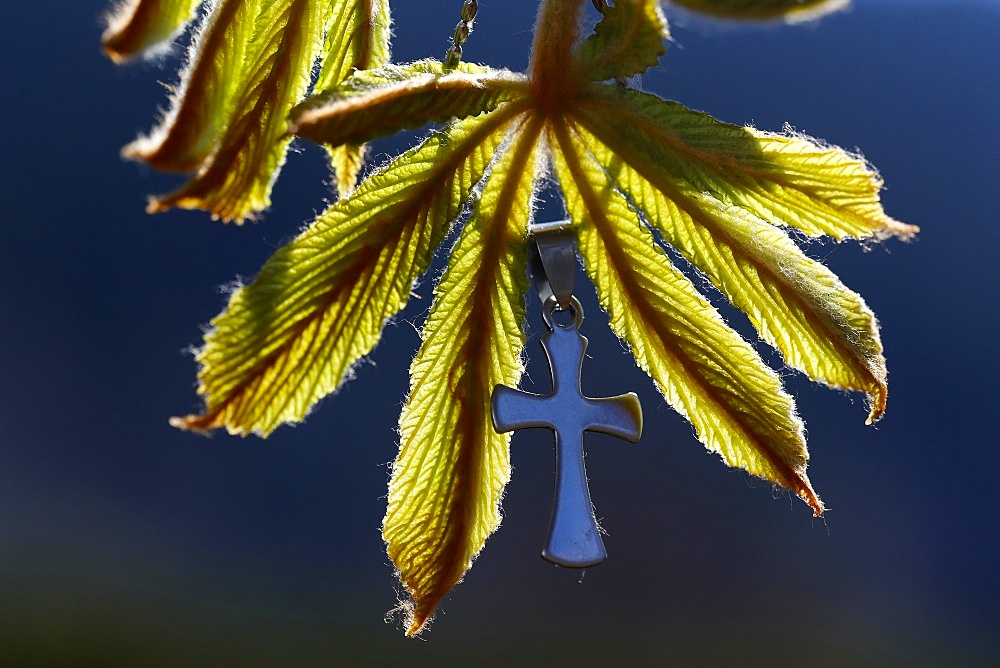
(630, 166)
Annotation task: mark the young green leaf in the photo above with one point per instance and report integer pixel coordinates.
(705, 371)
(705, 185)
(764, 9)
(138, 25)
(627, 41)
(382, 102)
(210, 87)
(235, 181)
(319, 304)
(452, 467)
(784, 179)
(357, 38)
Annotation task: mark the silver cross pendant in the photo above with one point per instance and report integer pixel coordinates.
(574, 537)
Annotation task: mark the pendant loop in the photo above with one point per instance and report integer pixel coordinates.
(553, 261)
(552, 306)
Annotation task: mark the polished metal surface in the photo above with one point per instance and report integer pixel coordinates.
(553, 260)
(574, 537)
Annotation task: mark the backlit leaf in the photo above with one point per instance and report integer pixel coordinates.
(764, 9)
(138, 25)
(704, 369)
(797, 305)
(783, 179)
(627, 41)
(382, 102)
(357, 38)
(206, 98)
(452, 467)
(319, 304)
(235, 180)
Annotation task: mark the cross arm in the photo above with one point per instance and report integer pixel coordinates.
(619, 416)
(514, 409)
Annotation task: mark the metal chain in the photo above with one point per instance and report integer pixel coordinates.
(462, 31)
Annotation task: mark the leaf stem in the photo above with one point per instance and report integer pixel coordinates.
(554, 80)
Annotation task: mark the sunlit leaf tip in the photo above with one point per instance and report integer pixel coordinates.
(346, 162)
(249, 66)
(447, 481)
(628, 40)
(135, 26)
(764, 10)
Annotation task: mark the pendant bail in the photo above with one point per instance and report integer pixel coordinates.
(553, 261)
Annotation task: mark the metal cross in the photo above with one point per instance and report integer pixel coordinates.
(574, 537)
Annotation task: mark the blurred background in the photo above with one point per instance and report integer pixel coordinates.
(123, 541)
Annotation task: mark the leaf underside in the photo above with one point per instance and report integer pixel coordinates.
(251, 64)
(446, 484)
(234, 181)
(383, 102)
(319, 304)
(703, 368)
(357, 40)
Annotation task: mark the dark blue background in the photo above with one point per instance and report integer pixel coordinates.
(123, 540)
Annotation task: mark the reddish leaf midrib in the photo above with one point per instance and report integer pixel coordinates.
(453, 546)
(712, 161)
(619, 261)
(670, 192)
(407, 217)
